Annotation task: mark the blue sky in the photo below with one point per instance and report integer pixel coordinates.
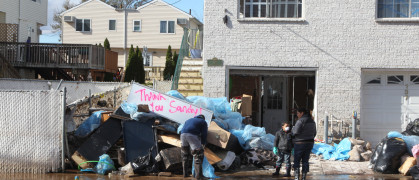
(49, 36)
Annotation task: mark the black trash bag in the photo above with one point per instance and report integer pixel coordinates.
(412, 128)
(389, 160)
(145, 164)
(414, 171)
(377, 151)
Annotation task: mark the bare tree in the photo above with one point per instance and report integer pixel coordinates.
(128, 4)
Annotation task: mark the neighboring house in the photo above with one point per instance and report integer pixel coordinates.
(155, 25)
(334, 57)
(28, 15)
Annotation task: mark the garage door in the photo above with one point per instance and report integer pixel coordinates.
(389, 103)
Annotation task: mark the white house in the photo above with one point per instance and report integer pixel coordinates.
(155, 25)
(29, 15)
(335, 57)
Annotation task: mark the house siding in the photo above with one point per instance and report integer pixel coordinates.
(337, 38)
(32, 15)
(150, 35)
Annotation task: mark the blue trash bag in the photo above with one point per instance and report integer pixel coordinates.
(342, 150)
(105, 165)
(176, 94)
(207, 169)
(219, 106)
(394, 134)
(252, 131)
(409, 140)
(322, 148)
(221, 123)
(143, 116)
(89, 124)
(179, 129)
(239, 135)
(265, 142)
(234, 120)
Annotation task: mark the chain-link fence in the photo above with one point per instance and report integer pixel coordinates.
(75, 89)
(31, 130)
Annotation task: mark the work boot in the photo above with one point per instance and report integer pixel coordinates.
(297, 173)
(288, 172)
(185, 165)
(304, 175)
(199, 159)
(198, 171)
(276, 173)
(185, 160)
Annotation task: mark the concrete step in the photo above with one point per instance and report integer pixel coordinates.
(192, 62)
(197, 86)
(193, 74)
(191, 68)
(183, 80)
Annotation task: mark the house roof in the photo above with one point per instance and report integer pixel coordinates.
(82, 4)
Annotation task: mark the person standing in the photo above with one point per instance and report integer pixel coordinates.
(282, 148)
(193, 138)
(303, 132)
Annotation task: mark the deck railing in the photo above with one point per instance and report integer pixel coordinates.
(42, 55)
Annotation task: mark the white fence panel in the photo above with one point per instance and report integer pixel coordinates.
(31, 130)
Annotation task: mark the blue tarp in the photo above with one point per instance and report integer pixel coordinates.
(337, 152)
(89, 124)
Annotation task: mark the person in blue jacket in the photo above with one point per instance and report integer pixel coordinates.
(193, 138)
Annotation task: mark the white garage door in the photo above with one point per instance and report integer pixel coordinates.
(389, 103)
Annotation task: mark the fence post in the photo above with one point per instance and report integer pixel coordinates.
(64, 131)
(114, 98)
(326, 129)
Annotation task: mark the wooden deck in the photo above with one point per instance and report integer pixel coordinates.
(64, 56)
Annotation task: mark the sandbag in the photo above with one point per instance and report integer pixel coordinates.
(412, 128)
(366, 156)
(389, 159)
(354, 155)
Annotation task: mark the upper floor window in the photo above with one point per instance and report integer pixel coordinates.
(398, 9)
(270, 8)
(112, 25)
(167, 26)
(83, 25)
(137, 26)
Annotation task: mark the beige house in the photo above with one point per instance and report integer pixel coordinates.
(155, 25)
(20, 19)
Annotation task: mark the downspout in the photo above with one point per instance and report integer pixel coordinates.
(125, 38)
(19, 28)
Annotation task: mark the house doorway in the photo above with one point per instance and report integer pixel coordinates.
(276, 94)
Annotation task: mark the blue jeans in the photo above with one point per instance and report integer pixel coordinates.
(302, 154)
(284, 157)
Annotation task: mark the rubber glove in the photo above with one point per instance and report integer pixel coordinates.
(275, 150)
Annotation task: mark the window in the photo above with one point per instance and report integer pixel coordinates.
(373, 79)
(414, 79)
(271, 8)
(148, 59)
(167, 27)
(398, 9)
(275, 96)
(397, 79)
(112, 25)
(137, 26)
(83, 25)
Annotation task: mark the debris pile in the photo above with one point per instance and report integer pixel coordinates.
(142, 136)
(398, 152)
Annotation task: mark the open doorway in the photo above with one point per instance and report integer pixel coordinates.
(276, 94)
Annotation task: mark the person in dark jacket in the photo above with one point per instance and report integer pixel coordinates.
(282, 148)
(303, 132)
(193, 137)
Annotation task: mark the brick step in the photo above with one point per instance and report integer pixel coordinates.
(187, 93)
(190, 74)
(191, 68)
(190, 87)
(183, 80)
(192, 63)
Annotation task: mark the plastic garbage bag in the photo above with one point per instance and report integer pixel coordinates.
(89, 124)
(412, 128)
(176, 94)
(207, 169)
(145, 164)
(389, 160)
(239, 135)
(252, 131)
(105, 165)
(342, 150)
(322, 148)
(129, 108)
(409, 140)
(221, 123)
(265, 142)
(179, 129)
(143, 116)
(414, 171)
(234, 120)
(415, 151)
(220, 106)
(377, 151)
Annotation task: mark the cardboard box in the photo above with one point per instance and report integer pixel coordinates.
(219, 137)
(410, 162)
(246, 105)
(105, 116)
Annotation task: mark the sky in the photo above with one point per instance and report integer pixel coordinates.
(49, 36)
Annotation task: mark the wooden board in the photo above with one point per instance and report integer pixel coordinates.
(174, 140)
(79, 159)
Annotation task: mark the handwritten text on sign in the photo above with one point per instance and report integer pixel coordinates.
(166, 106)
